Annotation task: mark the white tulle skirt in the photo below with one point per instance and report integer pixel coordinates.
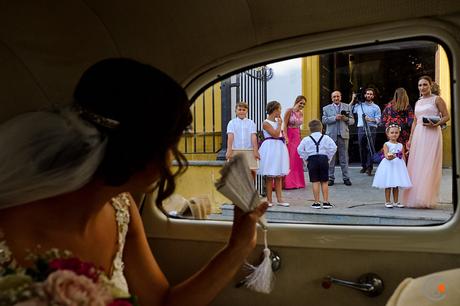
(274, 158)
(392, 173)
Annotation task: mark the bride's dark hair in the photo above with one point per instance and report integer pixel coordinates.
(152, 111)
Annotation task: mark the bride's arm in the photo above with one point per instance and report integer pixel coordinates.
(144, 276)
(148, 283)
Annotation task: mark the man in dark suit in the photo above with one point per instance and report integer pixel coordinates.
(337, 117)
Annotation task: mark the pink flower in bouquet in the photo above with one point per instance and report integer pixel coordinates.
(76, 265)
(65, 287)
(32, 302)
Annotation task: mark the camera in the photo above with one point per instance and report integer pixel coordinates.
(359, 95)
(345, 113)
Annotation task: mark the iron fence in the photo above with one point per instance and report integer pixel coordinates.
(215, 108)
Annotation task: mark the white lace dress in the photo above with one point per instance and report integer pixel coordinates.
(121, 205)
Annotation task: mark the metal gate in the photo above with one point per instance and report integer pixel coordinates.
(249, 86)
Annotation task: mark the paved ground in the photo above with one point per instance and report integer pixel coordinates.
(357, 204)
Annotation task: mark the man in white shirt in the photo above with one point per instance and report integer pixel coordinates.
(368, 114)
(318, 149)
(241, 137)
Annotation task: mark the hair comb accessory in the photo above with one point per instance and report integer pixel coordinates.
(97, 119)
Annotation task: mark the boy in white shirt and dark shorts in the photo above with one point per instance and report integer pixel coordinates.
(318, 149)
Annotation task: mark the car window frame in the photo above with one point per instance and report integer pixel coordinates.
(373, 237)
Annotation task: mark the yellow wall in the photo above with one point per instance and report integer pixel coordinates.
(199, 181)
(310, 89)
(442, 77)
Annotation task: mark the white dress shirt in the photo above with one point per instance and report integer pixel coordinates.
(307, 147)
(242, 130)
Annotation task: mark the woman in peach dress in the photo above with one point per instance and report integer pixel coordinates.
(425, 145)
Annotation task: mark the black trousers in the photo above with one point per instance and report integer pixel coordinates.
(364, 151)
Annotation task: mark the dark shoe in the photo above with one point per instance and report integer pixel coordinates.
(327, 205)
(369, 171)
(330, 183)
(316, 205)
(362, 170)
(347, 182)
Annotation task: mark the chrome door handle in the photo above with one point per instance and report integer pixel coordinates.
(370, 284)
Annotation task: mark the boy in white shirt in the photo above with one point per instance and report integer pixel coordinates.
(242, 139)
(318, 149)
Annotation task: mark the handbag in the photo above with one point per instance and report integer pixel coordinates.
(434, 119)
(377, 157)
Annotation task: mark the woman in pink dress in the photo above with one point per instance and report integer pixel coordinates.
(425, 145)
(293, 119)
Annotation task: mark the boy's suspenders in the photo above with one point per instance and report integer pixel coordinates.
(317, 143)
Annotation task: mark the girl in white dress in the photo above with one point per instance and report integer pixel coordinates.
(274, 156)
(392, 172)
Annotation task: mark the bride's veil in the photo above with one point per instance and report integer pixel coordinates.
(46, 153)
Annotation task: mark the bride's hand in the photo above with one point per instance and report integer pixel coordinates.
(244, 230)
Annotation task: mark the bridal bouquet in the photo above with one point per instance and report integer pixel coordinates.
(57, 278)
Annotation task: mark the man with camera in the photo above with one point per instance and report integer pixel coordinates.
(368, 118)
(337, 117)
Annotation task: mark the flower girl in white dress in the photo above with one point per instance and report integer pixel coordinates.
(392, 171)
(274, 156)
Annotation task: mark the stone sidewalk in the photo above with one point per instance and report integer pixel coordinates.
(356, 204)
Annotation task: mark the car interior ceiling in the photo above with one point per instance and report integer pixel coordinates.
(47, 44)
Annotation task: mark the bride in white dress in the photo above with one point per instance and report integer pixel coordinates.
(65, 175)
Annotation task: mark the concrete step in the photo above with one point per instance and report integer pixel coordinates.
(359, 204)
(362, 214)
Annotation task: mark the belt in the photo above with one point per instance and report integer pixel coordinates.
(277, 138)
